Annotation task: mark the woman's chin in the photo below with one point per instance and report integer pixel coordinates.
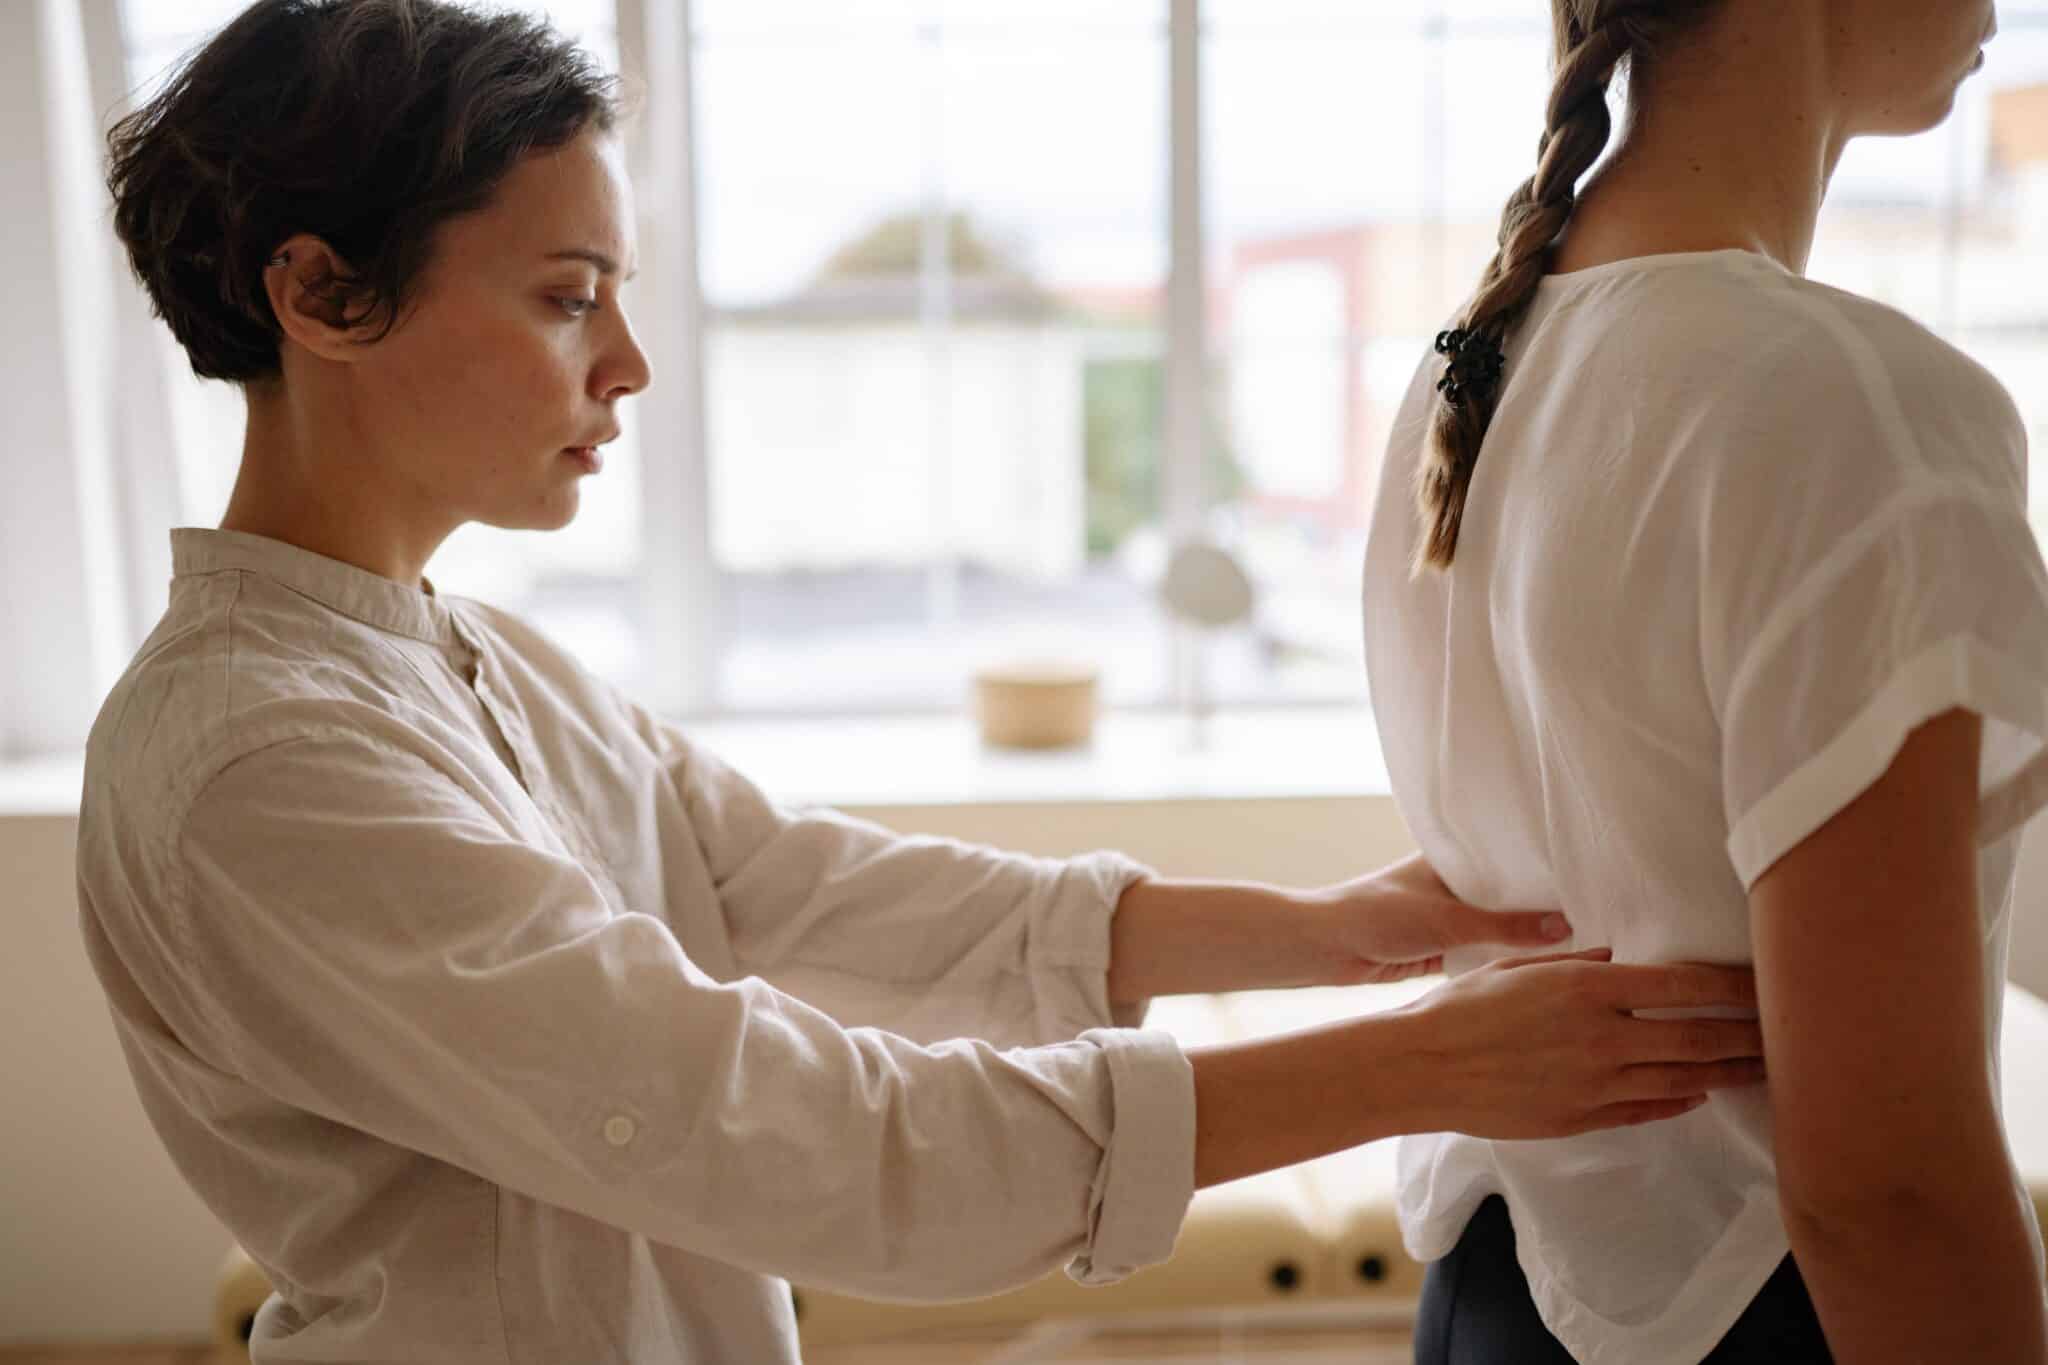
(1914, 119)
(561, 509)
(552, 511)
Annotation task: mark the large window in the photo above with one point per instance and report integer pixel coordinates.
(935, 249)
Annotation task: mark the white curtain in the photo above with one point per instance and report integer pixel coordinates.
(90, 481)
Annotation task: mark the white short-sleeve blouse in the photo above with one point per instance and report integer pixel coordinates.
(1732, 536)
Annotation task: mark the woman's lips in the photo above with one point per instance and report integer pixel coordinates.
(590, 457)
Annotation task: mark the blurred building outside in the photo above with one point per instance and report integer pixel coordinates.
(1045, 480)
(908, 479)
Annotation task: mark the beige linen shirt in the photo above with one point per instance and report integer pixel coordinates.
(500, 1023)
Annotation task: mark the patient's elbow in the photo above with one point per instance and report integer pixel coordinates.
(1841, 1222)
(1846, 1178)
(1829, 1217)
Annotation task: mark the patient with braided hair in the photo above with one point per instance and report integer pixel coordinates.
(1701, 597)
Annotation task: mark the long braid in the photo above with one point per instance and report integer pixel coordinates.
(1593, 38)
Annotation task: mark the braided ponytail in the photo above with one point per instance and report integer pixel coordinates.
(1593, 39)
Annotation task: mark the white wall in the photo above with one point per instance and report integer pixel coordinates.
(99, 1239)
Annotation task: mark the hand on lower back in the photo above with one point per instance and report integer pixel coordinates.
(1547, 1047)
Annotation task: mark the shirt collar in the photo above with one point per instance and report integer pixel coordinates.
(357, 593)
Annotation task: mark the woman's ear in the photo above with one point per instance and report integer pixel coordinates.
(307, 282)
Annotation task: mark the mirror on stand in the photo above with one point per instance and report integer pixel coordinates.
(1205, 590)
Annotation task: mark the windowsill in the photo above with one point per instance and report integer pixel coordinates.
(1135, 756)
(940, 761)
(32, 787)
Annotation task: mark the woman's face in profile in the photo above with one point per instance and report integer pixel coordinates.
(1903, 60)
(508, 364)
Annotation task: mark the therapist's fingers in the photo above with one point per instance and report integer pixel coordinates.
(1634, 1112)
(1543, 1047)
(1679, 1082)
(1383, 972)
(1513, 928)
(1679, 985)
(1583, 955)
(1694, 1040)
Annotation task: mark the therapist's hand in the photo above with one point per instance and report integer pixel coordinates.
(1174, 937)
(1540, 1047)
(1399, 921)
(1546, 1047)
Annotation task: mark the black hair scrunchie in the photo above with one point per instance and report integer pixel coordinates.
(1476, 364)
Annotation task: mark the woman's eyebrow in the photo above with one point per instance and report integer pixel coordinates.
(605, 264)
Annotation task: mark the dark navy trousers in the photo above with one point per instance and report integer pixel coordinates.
(1476, 1310)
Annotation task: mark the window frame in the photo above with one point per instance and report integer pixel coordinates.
(126, 478)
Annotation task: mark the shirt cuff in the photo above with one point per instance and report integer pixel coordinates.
(1146, 1179)
(1069, 952)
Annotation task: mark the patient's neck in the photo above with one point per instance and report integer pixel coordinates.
(1712, 159)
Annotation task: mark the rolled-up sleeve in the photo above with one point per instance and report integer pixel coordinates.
(363, 938)
(929, 937)
(1144, 1182)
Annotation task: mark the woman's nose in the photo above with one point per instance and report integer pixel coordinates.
(624, 369)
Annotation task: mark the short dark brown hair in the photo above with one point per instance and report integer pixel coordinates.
(366, 123)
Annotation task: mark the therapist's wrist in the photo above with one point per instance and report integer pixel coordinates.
(1327, 927)
(1271, 1102)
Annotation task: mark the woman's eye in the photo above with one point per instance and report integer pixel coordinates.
(577, 307)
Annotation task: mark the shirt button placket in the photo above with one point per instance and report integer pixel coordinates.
(509, 733)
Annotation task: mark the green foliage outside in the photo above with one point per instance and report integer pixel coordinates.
(1122, 398)
(1123, 401)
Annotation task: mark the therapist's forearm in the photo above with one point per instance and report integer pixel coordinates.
(1174, 937)
(1272, 1102)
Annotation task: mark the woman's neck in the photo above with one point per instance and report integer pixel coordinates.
(1709, 162)
(305, 479)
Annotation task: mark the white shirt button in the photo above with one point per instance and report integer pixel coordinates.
(619, 1130)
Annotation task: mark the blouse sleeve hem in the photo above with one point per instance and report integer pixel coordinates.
(1961, 672)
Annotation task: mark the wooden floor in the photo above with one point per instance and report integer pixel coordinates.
(1231, 1340)
(1376, 1348)
(1328, 1347)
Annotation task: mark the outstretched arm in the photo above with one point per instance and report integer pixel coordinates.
(930, 938)
(350, 931)
(1182, 937)
(934, 938)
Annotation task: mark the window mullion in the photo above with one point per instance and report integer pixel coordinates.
(678, 577)
(935, 312)
(1187, 342)
(1183, 423)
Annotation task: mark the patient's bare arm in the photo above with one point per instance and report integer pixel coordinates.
(1893, 1170)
